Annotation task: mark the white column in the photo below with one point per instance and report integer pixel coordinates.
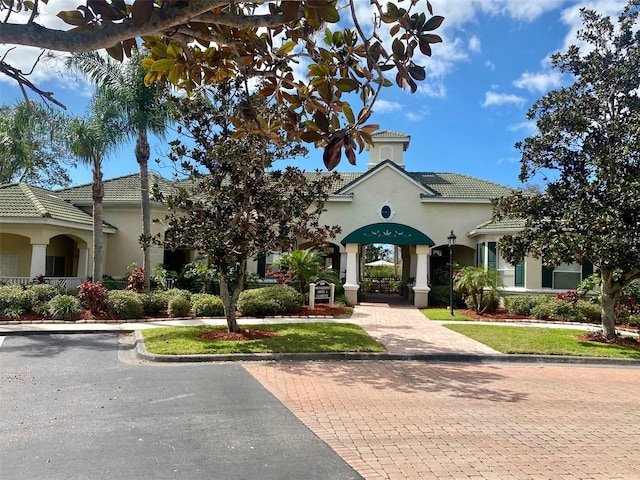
(83, 263)
(38, 260)
(351, 285)
(421, 288)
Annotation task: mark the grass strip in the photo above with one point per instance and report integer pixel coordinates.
(443, 314)
(292, 338)
(542, 341)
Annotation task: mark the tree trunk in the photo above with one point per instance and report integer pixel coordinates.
(609, 299)
(228, 303)
(142, 152)
(97, 193)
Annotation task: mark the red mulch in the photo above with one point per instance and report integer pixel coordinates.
(247, 334)
(599, 337)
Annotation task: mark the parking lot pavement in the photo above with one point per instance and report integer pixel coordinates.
(412, 420)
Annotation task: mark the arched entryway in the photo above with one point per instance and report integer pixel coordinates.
(415, 247)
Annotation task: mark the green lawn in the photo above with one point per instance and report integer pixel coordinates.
(541, 341)
(292, 337)
(443, 314)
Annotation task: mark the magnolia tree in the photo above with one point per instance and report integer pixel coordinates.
(588, 145)
(197, 43)
(233, 206)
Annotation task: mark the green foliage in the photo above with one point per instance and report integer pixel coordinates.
(591, 143)
(276, 300)
(523, 304)
(154, 302)
(306, 266)
(206, 305)
(125, 304)
(177, 292)
(41, 293)
(589, 310)
(443, 314)
(64, 307)
(14, 296)
(439, 297)
(479, 288)
(554, 309)
(179, 306)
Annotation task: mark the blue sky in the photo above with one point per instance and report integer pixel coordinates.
(466, 116)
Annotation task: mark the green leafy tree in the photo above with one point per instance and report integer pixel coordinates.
(306, 266)
(196, 43)
(373, 252)
(144, 110)
(588, 144)
(233, 207)
(32, 146)
(91, 139)
(477, 283)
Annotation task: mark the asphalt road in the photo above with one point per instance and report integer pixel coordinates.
(78, 407)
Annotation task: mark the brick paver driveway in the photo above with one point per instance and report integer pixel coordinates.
(411, 420)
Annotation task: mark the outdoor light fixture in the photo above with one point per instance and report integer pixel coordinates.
(452, 242)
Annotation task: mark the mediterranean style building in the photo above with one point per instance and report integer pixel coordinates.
(44, 232)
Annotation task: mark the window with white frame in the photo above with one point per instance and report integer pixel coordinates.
(567, 276)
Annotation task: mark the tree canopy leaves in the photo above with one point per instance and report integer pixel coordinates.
(194, 44)
(588, 145)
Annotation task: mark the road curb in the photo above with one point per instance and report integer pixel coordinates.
(142, 353)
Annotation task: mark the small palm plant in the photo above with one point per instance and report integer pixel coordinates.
(479, 284)
(306, 266)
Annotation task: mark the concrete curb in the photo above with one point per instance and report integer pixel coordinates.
(142, 353)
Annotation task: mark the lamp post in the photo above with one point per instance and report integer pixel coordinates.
(452, 241)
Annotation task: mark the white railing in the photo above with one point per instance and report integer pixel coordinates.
(68, 284)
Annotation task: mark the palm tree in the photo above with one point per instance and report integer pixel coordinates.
(143, 111)
(306, 266)
(90, 139)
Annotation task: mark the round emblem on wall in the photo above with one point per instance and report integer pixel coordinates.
(386, 212)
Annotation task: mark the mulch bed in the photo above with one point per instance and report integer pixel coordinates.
(632, 342)
(245, 334)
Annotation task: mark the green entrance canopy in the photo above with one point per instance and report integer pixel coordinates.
(393, 233)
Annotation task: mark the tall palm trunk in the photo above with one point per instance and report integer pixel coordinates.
(143, 152)
(97, 194)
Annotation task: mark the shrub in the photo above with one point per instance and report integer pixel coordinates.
(41, 293)
(206, 305)
(154, 302)
(554, 309)
(136, 281)
(177, 292)
(179, 306)
(275, 300)
(489, 304)
(523, 304)
(13, 312)
(64, 307)
(124, 304)
(14, 296)
(590, 311)
(439, 297)
(94, 296)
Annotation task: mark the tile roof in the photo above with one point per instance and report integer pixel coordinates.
(19, 200)
(456, 185)
(389, 134)
(502, 224)
(125, 189)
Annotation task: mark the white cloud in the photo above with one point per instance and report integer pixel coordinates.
(490, 65)
(474, 44)
(433, 88)
(385, 106)
(493, 99)
(529, 128)
(539, 82)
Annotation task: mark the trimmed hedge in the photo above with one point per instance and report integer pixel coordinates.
(124, 304)
(276, 300)
(206, 305)
(523, 304)
(179, 306)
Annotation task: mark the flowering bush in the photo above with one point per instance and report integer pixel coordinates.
(570, 296)
(136, 281)
(94, 296)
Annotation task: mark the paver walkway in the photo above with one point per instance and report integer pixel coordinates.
(420, 420)
(403, 329)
